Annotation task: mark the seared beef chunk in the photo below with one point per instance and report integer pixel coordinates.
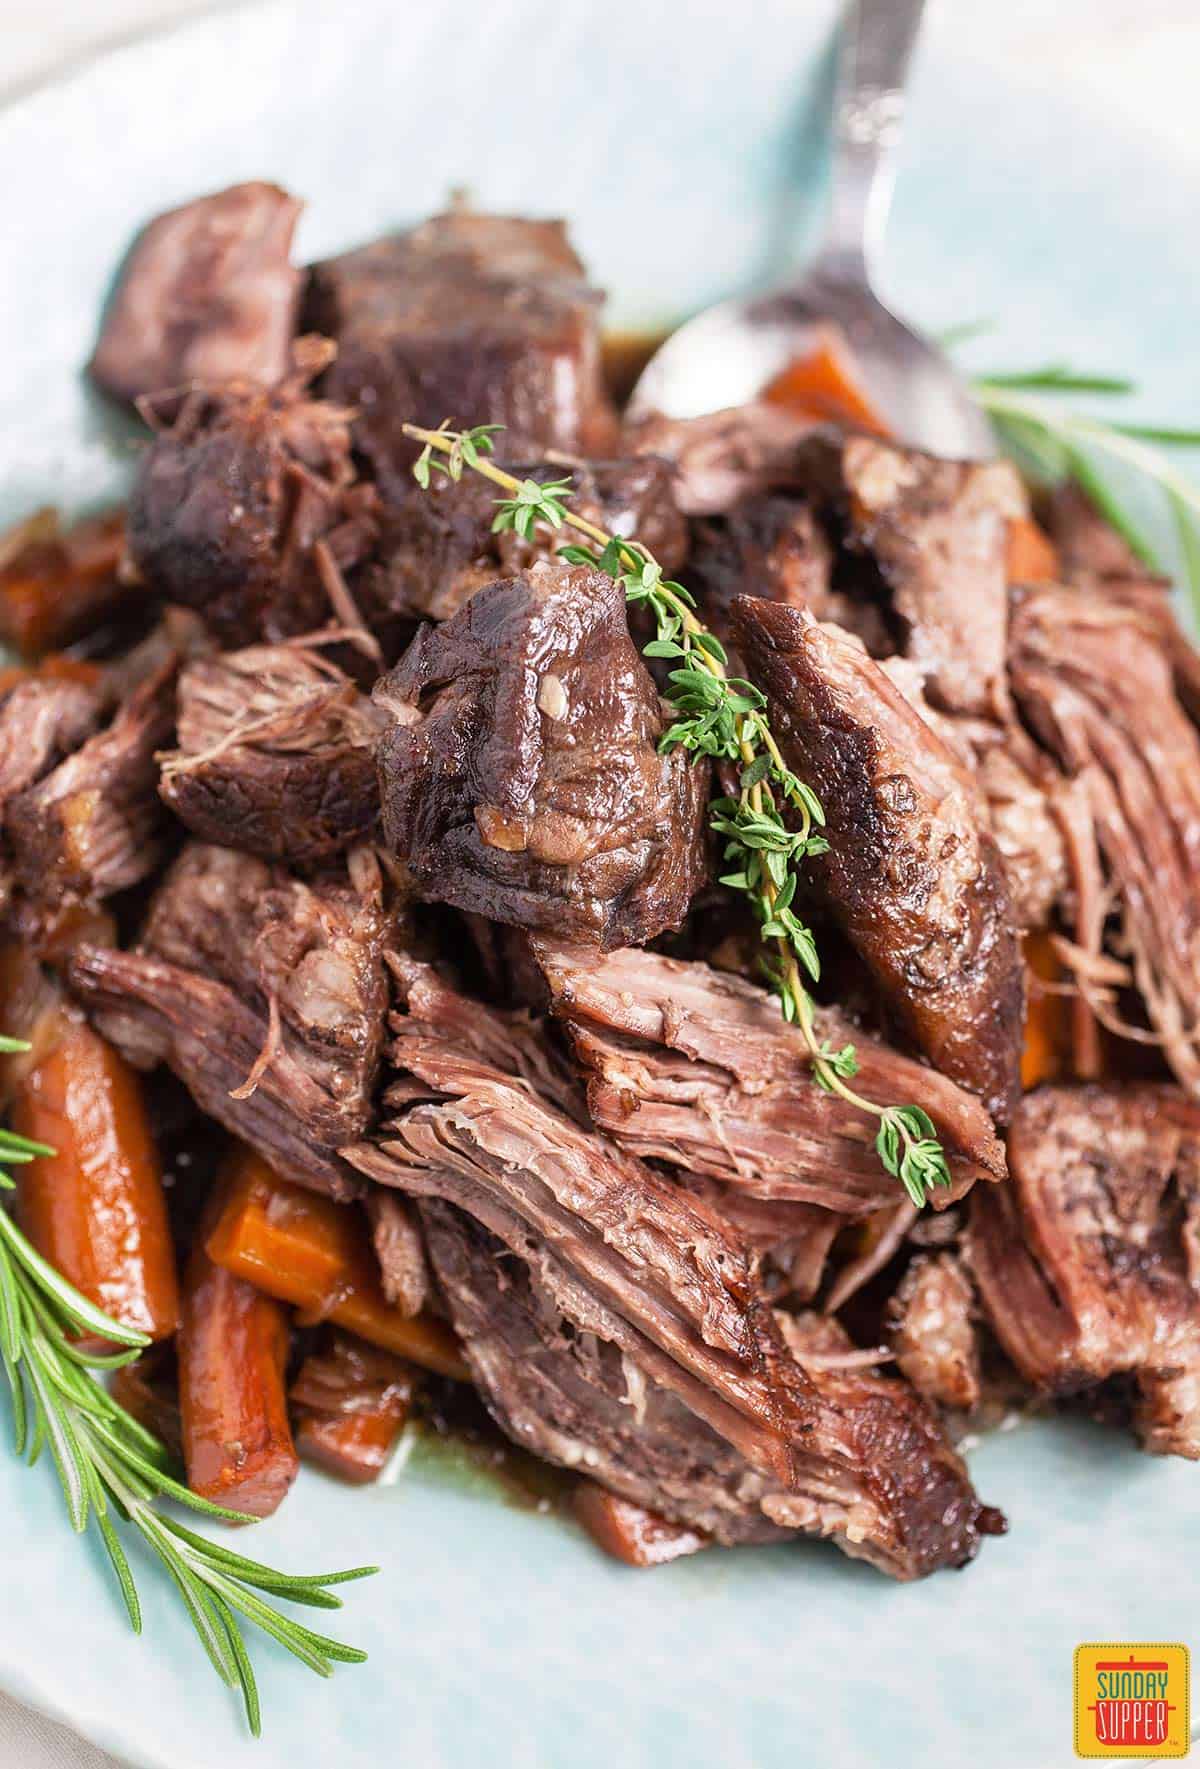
(276, 754)
(92, 825)
(265, 995)
(726, 456)
(1095, 684)
(691, 1066)
(912, 876)
(775, 546)
(934, 1334)
(1089, 1263)
(207, 294)
(872, 1470)
(1087, 546)
(247, 508)
(937, 531)
(438, 547)
(520, 775)
(484, 318)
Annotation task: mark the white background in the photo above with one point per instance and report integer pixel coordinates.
(1140, 58)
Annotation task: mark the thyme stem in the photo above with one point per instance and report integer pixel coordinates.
(726, 718)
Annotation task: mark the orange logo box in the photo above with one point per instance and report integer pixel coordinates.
(1132, 1700)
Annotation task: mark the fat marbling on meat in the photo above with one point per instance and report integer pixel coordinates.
(520, 773)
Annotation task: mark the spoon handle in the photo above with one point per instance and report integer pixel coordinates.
(876, 45)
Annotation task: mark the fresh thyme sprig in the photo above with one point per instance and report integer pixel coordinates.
(724, 717)
(1056, 444)
(109, 1465)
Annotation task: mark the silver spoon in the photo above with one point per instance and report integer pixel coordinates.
(730, 353)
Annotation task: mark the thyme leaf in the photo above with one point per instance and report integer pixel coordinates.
(770, 828)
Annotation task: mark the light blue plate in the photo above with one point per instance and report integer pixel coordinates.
(683, 142)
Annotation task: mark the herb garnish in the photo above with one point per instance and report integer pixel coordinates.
(109, 1465)
(724, 717)
(1054, 444)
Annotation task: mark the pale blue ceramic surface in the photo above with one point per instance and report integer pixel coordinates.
(680, 140)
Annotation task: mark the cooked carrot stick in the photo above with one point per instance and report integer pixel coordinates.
(351, 1401)
(56, 585)
(317, 1255)
(233, 1351)
(95, 1208)
(628, 1531)
(1046, 1054)
(55, 667)
(1032, 557)
(822, 385)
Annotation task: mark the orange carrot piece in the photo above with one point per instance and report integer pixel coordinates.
(352, 1401)
(95, 1208)
(629, 1532)
(1032, 557)
(316, 1254)
(822, 385)
(59, 584)
(233, 1351)
(1046, 1054)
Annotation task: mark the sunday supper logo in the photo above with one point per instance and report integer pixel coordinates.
(1131, 1700)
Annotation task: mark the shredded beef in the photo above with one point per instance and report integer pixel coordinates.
(266, 995)
(1088, 1265)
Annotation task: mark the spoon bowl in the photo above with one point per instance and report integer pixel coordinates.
(730, 354)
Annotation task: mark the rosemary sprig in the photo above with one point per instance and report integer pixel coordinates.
(724, 717)
(111, 1467)
(1056, 444)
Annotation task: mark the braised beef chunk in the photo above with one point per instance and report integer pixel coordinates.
(93, 824)
(207, 294)
(520, 774)
(400, 1250)
(872, 1470)
(247, 508)
(484, 318)
(1095, 684)
(912, 875)
(937, 531)
(276, 754)
(691, 1066)
(725, 456)
(776, 546)
(934, 1333)
(266, 995)
(438, 547)
(1089, 1263)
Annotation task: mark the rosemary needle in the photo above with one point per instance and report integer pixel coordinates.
(112, 1470)
(726, 718)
